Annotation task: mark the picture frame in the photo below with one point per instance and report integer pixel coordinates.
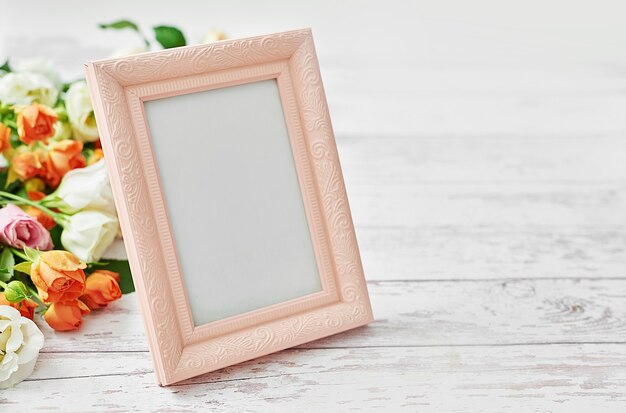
(130, 97)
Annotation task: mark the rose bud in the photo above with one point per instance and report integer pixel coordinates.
(15, 291)
(66, 316)
(101, 288)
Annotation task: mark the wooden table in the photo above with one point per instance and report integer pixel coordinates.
(487, 177)
(492, 286)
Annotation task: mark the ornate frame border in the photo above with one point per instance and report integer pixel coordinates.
(119, 87)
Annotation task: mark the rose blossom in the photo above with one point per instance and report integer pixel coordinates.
(62, 157)
(18, 229)
(58, 276)
(26, 88)
(20, 342)
(87, 234)
(36, 123)
(83, 189)
(101, 288)
(66, 316)
(39, 66)
(80, 112)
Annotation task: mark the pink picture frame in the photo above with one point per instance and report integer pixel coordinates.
(119, 88)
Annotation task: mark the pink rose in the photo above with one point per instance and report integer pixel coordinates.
(18, 229)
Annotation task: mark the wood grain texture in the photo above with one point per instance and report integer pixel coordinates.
(397, 253)
(488, 207)
(452, 379)
(500, 312)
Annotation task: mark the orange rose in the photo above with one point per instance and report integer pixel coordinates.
(26, 307)
(62, 157)
(26, 164)
(101, 288)
(5, 137)
(66, 316)
(58, 276)
(44, 219)
(35, 123)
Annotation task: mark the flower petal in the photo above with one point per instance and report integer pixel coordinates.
(33, 341)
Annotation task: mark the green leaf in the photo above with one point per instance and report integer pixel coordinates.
(6, 67)
(6, 274)
(11, 178)
(23, 267)
(169, 36)
(7, 261)
(119, 25)
(55, 234)
(14, 139)
(32, 254)
(123, 269)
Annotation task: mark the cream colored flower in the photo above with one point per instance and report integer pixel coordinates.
(213, 36)
(83, 189)
(80, 112)
(87, 234)
(26, 88)
(40, 66)
(20, 342)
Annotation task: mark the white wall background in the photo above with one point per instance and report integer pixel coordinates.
(398, 67)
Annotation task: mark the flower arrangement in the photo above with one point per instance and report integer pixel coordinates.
(57, 214)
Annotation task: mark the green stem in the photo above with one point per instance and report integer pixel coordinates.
(20, 254)
(59, 218)
(34, 295)
(3, 285)
(10, 201)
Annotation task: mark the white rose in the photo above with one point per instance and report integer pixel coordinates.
(40, 66)
(87, 234)
(83, 189)
(80, 112)
(26, 88)
(129, 51)
(20, 342)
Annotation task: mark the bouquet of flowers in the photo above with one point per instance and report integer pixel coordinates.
(57, 215)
